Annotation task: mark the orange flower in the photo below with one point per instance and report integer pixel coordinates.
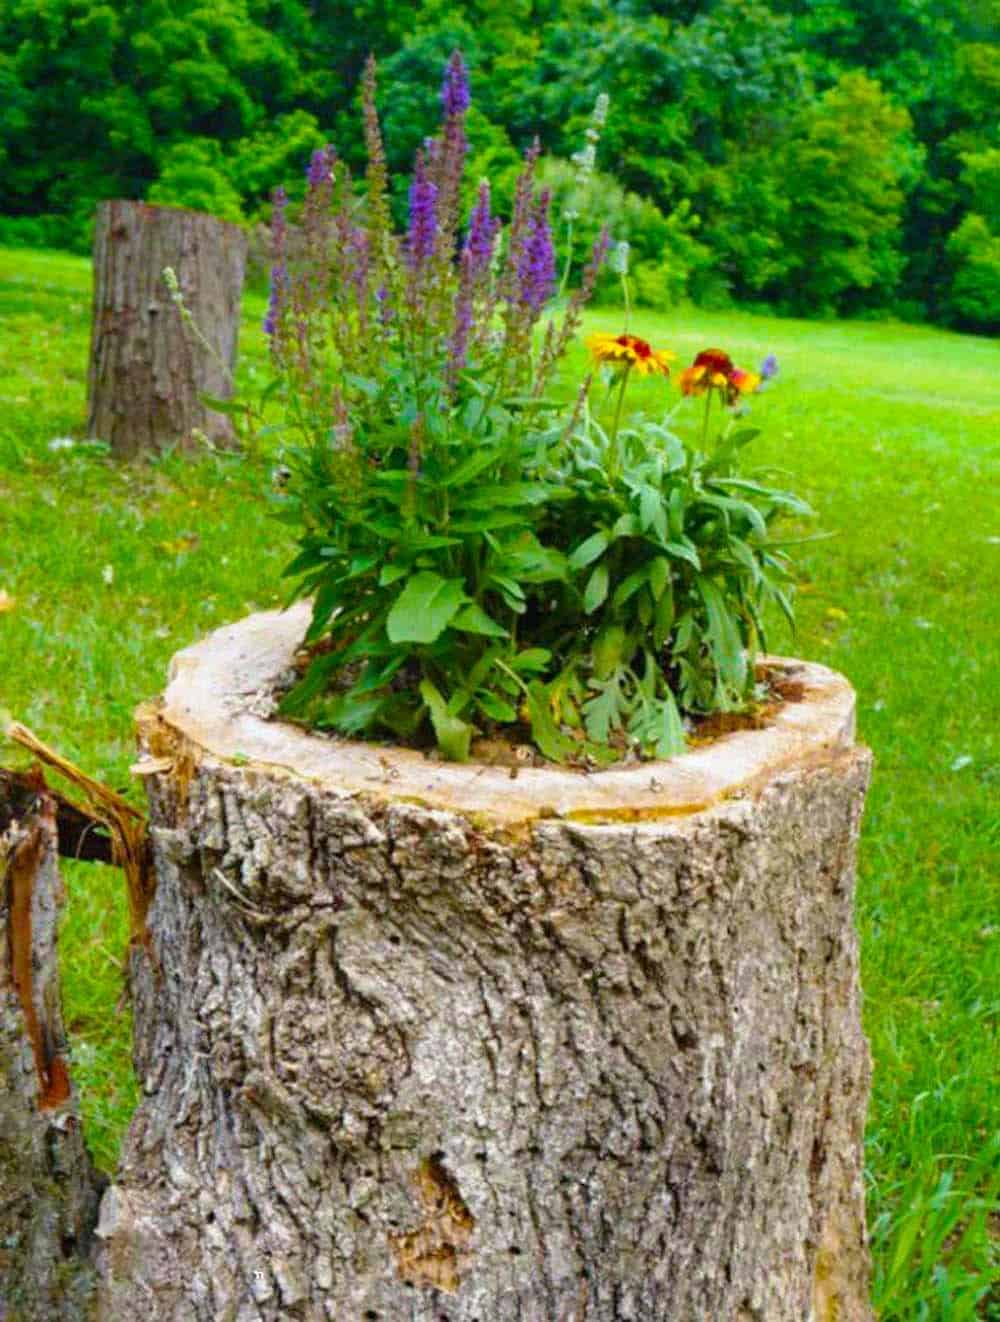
(631, 353)
(713, 369)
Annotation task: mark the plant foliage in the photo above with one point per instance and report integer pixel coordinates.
(483, 557)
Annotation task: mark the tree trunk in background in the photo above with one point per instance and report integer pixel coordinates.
(48, 1189)
(541, 1061)
(146, 366)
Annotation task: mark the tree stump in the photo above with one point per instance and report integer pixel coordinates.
(146, 366)
(429, 1042)
(48, 1188)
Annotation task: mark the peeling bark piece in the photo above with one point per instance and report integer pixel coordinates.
(594, 1055)
(48, 1188)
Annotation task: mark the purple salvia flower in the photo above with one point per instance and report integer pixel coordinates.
(519, 221)
(769, 367)
(383, 304)
(483, 229)
(279, 268)
(422, 233)
(360, 271)
(458, 341)
(536, 270)
(455, 88)
(277, 297)
(320, 169)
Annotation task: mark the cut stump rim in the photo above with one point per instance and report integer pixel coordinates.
(212, 688)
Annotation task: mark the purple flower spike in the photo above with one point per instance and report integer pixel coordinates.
(422, 234)
(383, 302)
(536, 270)
(320, 170)
(279, 269)
(483, 230)
(458, 341)
(769, 367)
(455, 89)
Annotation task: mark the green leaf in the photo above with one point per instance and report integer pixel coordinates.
(609, 650)
(391, 572)
(476, 463)
(231, 407)
(723, 634)
(596, 591)
(681, 552)
(425, 608)
(659, 576)
(652, 511)
(670, 739)
(453, 735)
(604, 711)
(626, 525)
(663, 617)
(531, 661)
(630, 585)
(495, 708)
(473, 619)
(551, 741)
(587, 552)
(508, 493)
(349, 712)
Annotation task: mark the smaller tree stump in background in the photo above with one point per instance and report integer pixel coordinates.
(48, 1188)
(146, 367)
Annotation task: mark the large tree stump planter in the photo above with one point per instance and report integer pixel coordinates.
(424, 1041)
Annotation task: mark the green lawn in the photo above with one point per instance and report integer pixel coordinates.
(892, 431)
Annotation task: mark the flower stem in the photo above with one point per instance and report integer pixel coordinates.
(613, 464)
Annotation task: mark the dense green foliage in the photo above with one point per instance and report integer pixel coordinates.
(112, 569)
(816, 155)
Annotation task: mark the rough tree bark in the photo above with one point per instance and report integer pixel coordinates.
(430, 1043)
(146, 367)
(48, 1188)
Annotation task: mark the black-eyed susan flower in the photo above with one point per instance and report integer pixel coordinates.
(713, 369)
(630, 353)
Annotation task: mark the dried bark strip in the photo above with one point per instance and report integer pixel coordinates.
(48, 1188)
(81, 835)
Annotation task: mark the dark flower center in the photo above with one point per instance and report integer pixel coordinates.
(639, 347)
(716, 360)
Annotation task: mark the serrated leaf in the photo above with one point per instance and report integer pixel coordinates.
(551, 741)
(425, 607)
(596, 591)
(603, 712)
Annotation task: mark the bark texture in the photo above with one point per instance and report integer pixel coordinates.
(48, 1188)
(146, 366)
(400, 1065)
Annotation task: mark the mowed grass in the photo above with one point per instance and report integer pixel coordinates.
(893, 433)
